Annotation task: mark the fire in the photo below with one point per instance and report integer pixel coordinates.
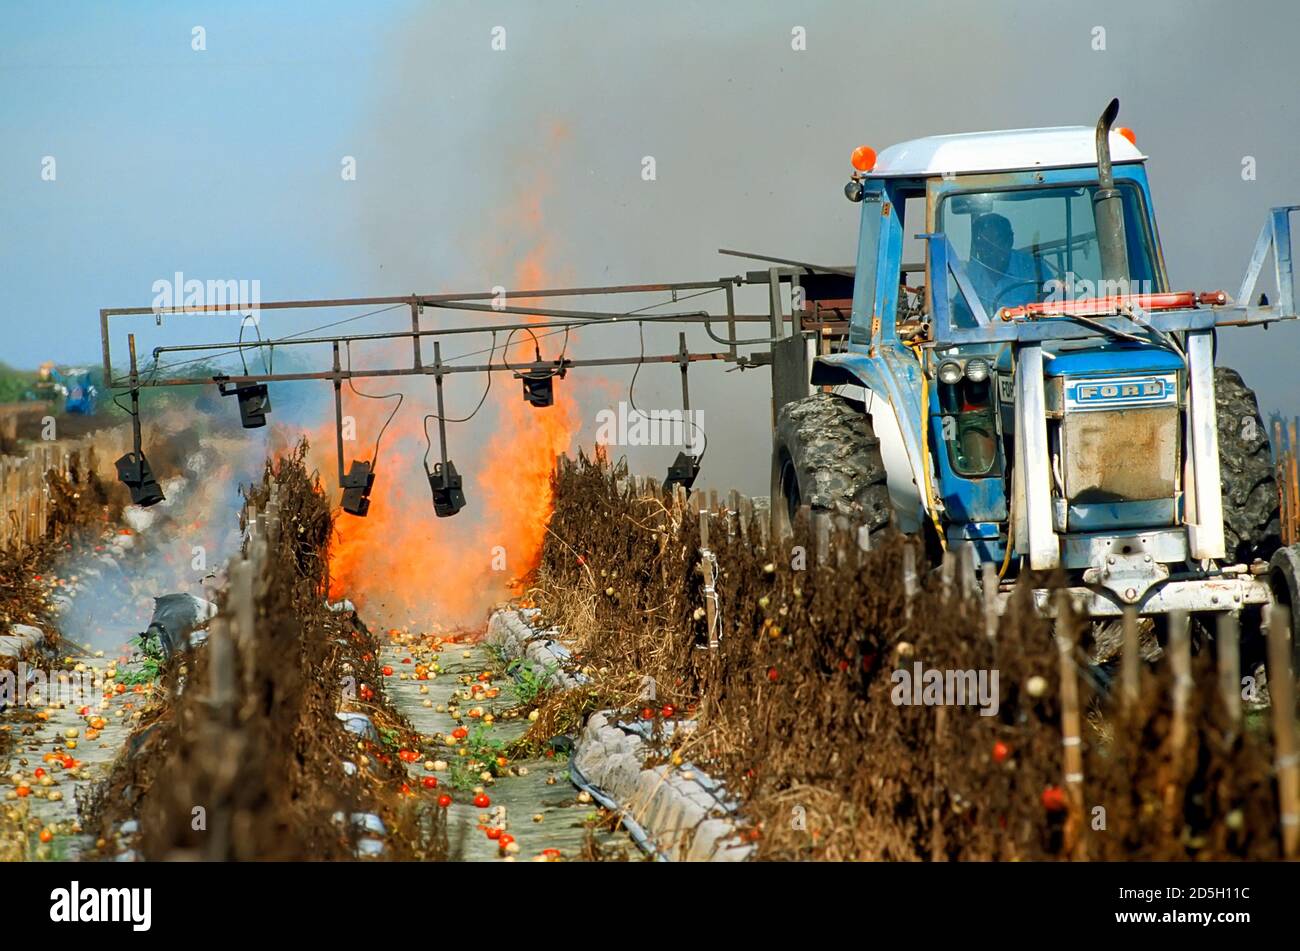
(400, 564)
(522, 451)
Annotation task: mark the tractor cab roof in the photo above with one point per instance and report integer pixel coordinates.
(1005, 151)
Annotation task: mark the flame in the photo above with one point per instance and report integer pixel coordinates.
(518, 470)
(400, 564)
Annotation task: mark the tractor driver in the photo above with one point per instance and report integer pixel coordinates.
(1001, 275)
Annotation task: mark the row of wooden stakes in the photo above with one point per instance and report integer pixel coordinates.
(26, 503)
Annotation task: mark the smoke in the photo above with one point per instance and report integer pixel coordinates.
(180, 545)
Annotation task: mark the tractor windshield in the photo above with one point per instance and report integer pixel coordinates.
(1030, 245)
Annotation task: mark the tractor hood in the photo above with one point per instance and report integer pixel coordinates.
(1111, 360)
(1107, 359)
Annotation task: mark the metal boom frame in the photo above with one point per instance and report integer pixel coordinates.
(795, 273)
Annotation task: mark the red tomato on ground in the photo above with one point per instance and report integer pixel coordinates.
(1053, 799)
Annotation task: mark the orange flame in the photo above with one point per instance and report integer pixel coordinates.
(400, 564)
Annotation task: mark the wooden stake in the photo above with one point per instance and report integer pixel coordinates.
(909, 578)
(1283, 489)
(1227, 643)
(243, 612)
(1180, 662)
(822, 532)
(1281, 689)
(1292, 480)
(937, 848)
(864, 542)
(989, 583)
(1071, 738)
(966, 570)
(1130, 659)
(221, 669)
(708, 566)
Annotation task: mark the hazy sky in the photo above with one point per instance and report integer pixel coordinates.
(477, 167)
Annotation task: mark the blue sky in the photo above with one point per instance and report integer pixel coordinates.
(218, 163)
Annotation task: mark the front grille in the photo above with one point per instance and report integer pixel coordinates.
(1121, 455)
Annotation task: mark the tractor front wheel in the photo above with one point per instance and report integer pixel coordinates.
(828, 458)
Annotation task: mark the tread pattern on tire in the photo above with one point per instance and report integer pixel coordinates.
(836, 459)
(1252, 525)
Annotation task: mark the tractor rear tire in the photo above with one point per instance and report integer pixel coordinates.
(828, 458)
(1284, 573)
(1252, 525)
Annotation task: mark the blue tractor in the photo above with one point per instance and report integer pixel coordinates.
(75, 386)
(1033, 387)
(82, 397)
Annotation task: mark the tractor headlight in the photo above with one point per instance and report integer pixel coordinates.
(977, 370)
(950, 372)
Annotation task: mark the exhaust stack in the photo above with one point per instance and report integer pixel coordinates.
(1108, 209)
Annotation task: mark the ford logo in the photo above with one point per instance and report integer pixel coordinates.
(1113, 392)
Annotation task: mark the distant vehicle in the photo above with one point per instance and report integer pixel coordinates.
(74, 386)
(81, 397)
